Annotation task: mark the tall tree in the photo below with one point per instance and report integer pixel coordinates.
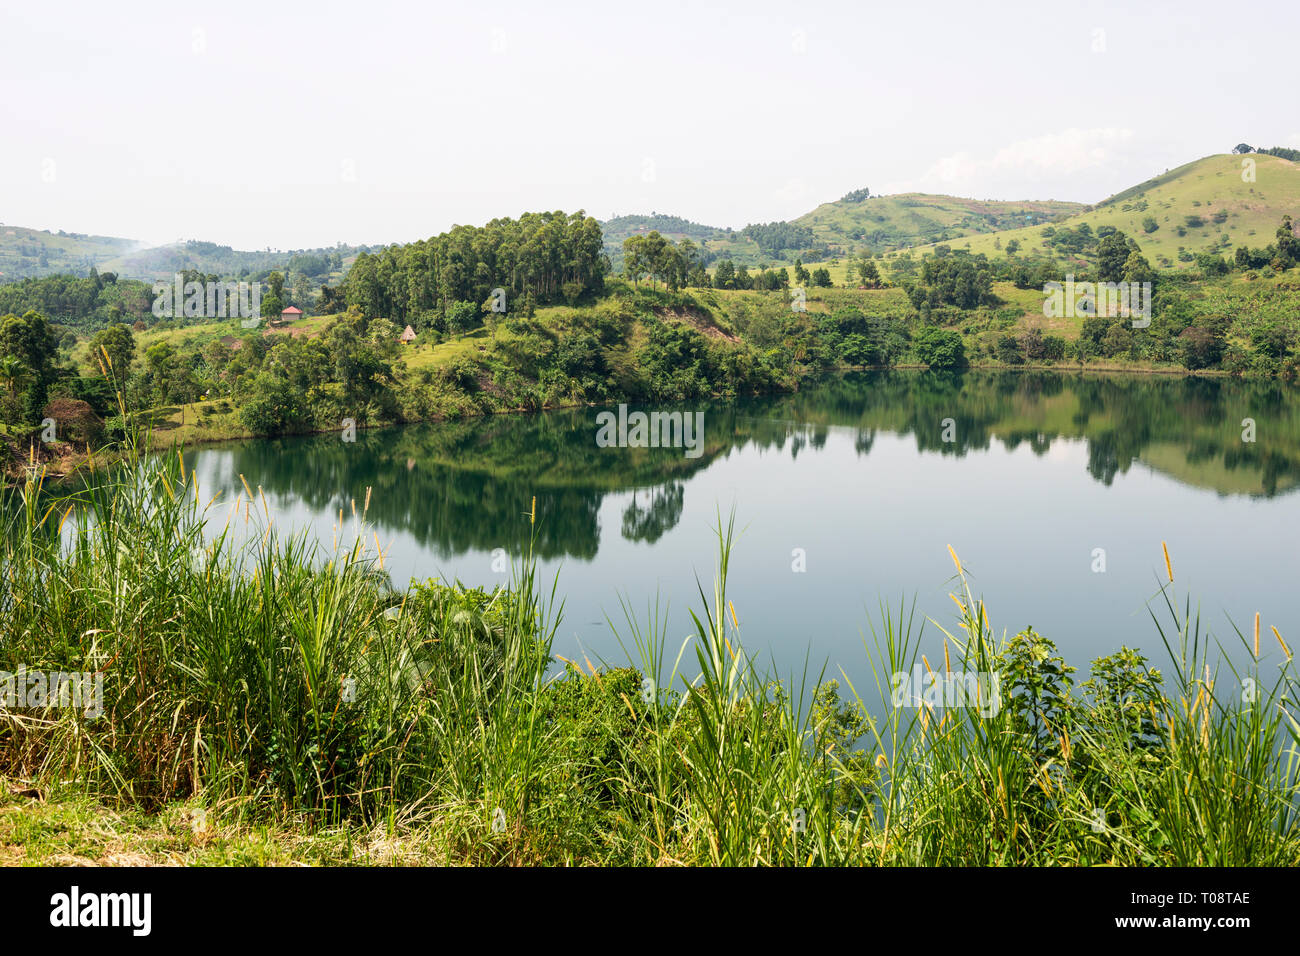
(31, 340)
(118, 344)
(1112, 254)
(634, 258)
(655, 249)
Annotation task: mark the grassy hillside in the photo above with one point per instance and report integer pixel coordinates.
(1203, 206)
(28, 253)
(717, 243)
(846, 226)
(321, 265)
(881, 223)
(487, 363)
(37, 252)
(674, 227)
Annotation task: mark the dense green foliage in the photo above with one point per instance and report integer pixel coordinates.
(962, 281)
(539, 258)
(618, 230)
(80, 303)
(652, 255)
(940, 348)
(774, 238)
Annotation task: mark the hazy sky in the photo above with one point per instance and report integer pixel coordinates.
(262, 124)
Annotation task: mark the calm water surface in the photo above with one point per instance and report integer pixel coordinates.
(1042, 470)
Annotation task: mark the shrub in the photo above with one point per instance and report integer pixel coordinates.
(940, 348)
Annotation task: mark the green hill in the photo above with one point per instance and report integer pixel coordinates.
(882, 223)
(714, 241)
(854, 224)
(38, 252)
(1204, 206)
(325, 264)
(34, 253)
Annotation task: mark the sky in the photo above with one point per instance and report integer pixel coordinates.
(289, 126)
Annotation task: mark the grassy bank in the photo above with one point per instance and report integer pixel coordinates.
(272, 702)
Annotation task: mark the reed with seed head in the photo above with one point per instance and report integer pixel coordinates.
(270, 677)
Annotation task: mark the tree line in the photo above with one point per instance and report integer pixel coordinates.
(1282, 152)
(537, 259)
(92, 301)
(682, 264)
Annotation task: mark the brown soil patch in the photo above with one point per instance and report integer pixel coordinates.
(699, 321)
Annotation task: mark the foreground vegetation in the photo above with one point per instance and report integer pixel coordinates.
(267, 701)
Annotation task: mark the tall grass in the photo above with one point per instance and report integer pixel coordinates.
(267, 677)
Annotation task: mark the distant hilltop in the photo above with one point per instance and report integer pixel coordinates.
(1213, 205)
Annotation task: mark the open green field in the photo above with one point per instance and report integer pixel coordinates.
(202, 334)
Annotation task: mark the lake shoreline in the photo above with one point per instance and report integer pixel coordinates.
(73, 463)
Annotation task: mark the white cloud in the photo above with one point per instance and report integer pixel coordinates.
(794, 190)
(1069, 151)
(1050, 159)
